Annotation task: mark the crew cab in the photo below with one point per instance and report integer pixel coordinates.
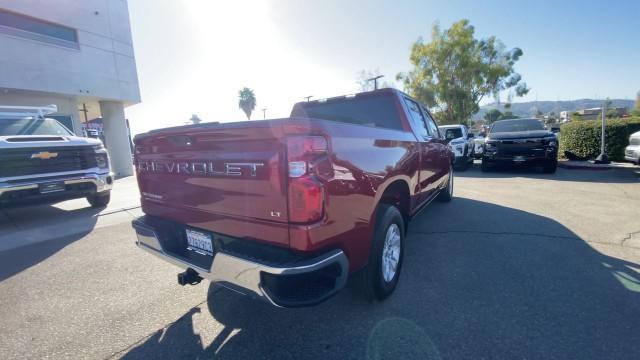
(41, 161)
(520, 142)
(461, 142)
(285, 210)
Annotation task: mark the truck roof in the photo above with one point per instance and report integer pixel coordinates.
(353, 95)
(24, 111)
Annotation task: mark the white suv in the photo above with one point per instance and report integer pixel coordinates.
(461, 142)
(632, 152)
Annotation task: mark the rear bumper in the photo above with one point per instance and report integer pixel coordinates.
(303, 283)
(76, 185)
(632, 158)
(632, 153)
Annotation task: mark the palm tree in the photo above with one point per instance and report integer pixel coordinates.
(247, 101)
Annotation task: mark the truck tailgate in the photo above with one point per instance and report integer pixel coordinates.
(230, 178)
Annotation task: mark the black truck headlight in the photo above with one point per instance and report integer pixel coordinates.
(551, 142)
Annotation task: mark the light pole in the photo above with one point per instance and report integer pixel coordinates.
(264, 113)
(375, 81)
(603, 158)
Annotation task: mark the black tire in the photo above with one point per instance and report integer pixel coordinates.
(99, 200)
(464, 164)
(446, 194)
(485, 166)
(373, 282)
(550, 167)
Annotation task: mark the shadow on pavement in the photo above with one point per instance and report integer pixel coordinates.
(622, 175)
(43, 221)
(479, 281)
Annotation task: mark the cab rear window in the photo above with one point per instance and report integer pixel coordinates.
(374, 111)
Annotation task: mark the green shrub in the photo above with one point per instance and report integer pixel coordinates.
(583, 137)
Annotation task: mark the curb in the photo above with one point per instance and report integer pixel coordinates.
(585, 167)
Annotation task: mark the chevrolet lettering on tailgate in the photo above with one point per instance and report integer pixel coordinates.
(205, 168)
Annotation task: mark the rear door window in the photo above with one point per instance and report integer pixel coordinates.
(431, 125)
(417, 119)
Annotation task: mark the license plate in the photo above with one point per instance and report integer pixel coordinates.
(519, 158)
(51, 187)
(199, 242)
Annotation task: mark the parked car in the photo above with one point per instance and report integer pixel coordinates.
(284, 210)
(632, 152)
(478, 145)
(461, 142)
(520, 142)
(43, 162)
(555, 129)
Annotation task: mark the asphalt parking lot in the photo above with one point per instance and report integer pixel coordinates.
(519, 265)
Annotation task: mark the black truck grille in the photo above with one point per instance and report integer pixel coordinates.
(34, 161)
(525, 147)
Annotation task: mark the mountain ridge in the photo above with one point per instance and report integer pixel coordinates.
(529, 108)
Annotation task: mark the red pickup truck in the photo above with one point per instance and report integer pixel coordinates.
(285, 210)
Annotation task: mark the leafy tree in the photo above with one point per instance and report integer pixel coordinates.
(247, 101)
(441, 118)
(492, 115)
(455, 71)
(195, 119)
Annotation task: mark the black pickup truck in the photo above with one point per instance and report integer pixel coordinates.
(520, 142)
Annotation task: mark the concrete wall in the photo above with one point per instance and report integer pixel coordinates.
(103, 67)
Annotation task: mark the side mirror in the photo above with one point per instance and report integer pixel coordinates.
(469, 136)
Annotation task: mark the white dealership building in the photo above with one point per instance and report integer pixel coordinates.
(76, 54)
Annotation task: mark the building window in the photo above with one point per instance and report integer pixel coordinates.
(14, 24)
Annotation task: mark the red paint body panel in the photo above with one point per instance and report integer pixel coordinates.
(250, 201)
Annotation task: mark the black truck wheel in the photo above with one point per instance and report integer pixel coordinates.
(485, 166)
(99, 200)
(550, 166)
(380, 277)
(446, 194)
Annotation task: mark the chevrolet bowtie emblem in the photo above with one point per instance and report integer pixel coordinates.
(44, 155)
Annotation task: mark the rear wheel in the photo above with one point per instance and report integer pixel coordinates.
(380, 276)
(99, 200)
(446, 194)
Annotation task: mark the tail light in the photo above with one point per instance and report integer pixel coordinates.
(306, 193)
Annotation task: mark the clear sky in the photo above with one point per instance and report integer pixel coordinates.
(194, 55)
